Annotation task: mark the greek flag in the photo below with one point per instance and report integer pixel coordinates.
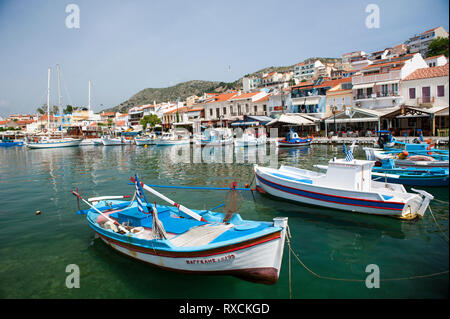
(348, 154)
(139, 195)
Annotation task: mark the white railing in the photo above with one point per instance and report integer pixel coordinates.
(393, 75)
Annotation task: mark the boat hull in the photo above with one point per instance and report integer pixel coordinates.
(254, 260)
(171, 142)
(112, 142)
(293, 144)
(142, 142)
(427, 181)
(73, 143)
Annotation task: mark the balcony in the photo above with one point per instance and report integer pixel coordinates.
(376, 95)
(425, 101)
(373, 78)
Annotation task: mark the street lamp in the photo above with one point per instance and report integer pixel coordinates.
(333, 109)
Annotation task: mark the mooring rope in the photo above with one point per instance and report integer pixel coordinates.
(432, 215)
(288, 235)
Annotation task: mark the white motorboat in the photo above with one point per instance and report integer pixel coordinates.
(347, 185)
(249, 139)
(215, 137)
(145, 140)
(91, 142)
(112, 141)
(172, 138)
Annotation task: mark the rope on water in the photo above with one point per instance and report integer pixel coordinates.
(347, 279)
(432, 215)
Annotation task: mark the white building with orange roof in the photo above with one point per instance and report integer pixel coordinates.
(419, 43)
(426, 87)
(378, 84)
(437, 60)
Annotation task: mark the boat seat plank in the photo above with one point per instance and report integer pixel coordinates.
(302, 180)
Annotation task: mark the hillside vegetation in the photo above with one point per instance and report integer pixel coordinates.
(195, 87)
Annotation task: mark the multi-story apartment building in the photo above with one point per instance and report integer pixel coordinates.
(354, 56)
(309, 70)
(419, 43)
(378, 84)
(426, 87)
(310, 97)
(339, 97)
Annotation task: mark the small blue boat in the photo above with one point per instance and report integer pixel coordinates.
(292, 139)
(191, 241)
(6, 142)
(412, 176)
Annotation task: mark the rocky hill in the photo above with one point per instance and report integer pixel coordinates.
(196, 87)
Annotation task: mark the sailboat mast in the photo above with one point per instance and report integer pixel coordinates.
(59, 98)
(89, 96)
(48, 103)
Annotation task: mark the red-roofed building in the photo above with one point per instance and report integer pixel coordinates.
(426, 87)
(437, 60)
(233, 106)
(378, 84)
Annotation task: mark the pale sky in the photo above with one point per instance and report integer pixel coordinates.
(126, 46)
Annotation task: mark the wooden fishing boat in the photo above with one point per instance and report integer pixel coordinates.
(347, 185)
(293, 140)
(192, 241)
(389, 172)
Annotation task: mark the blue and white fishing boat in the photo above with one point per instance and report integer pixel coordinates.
(385, 139)
(346, 185)
(145, 140)
(192, 241)
(292, 140)
(391, 173)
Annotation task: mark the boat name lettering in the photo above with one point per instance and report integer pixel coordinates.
(210, 260)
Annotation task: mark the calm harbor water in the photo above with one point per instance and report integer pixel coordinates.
(35, 249)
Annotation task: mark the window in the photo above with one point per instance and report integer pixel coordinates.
(255, 108)
(264, 108)
(211, 112)
(412, 93)
(224, 111)
(217, 112)
(395, 88)
(384, 89)
(440, 90)
(247, 109)
(239, 110)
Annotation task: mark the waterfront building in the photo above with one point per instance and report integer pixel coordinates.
(378, 84)
(279, 102)
(419, 43)
(426, 87)
(353, 56)
(437, 60)
(310, 97)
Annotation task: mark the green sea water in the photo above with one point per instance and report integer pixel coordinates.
(36, 249)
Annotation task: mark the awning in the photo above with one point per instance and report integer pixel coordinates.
(388, 82)
(300, 101)
(291, 119)
(363, 86)
(239, 123)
